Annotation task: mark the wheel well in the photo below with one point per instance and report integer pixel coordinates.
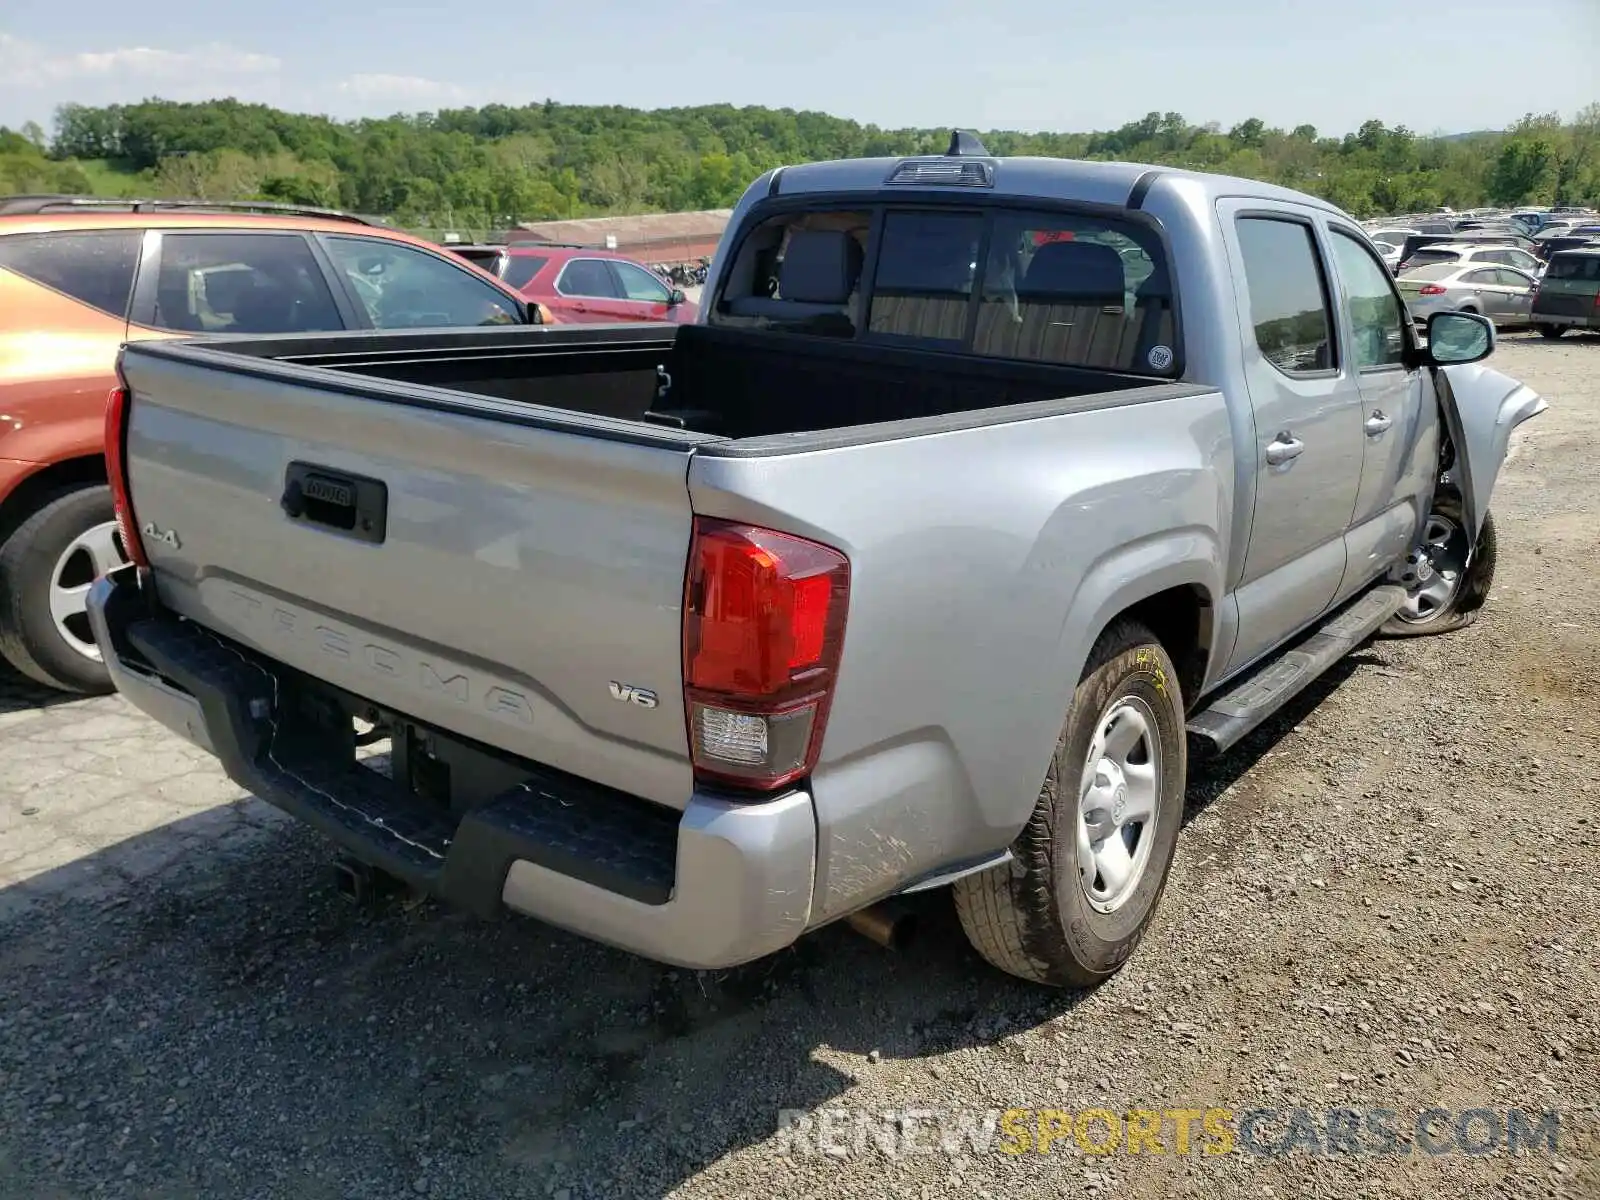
(27, 497)
(1179, 617)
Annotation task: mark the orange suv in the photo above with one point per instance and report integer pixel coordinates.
(79, 277)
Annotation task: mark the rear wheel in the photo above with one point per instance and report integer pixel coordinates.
(46, 568)
(1091, 863)
(1552, 331)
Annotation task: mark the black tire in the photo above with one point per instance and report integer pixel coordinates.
(1031, 917)
(28, 636)
(1464, 606)
(1552, 331)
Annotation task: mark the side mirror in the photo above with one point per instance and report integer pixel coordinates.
(676, 297)
(1459, 337)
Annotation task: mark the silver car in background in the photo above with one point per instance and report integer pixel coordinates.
(1473, 253)
(1391, 235)
(1503, 294)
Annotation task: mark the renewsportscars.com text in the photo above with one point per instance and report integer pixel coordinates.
(1211, 1131)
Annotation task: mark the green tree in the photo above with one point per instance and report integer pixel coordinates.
(507, 163)
(1525, 171)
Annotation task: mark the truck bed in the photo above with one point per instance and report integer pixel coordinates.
(723, 382)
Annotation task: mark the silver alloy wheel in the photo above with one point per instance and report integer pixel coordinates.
(1433, 570)
(93, 553)
(1117, 801)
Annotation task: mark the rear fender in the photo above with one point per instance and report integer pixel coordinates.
(1191, 558)
(1481, 407)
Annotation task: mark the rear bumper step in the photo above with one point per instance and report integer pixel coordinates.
(720, 883)
(1267, 688)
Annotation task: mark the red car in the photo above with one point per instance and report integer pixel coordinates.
(583, 286)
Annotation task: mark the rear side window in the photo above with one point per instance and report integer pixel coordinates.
(588, 277)
(403, 287)
(242, 283)
(1288, 296)
(95, 266)
(1574, 266)
(484, 260)
(521, 268)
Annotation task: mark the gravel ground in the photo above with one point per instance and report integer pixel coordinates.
(1387, 899)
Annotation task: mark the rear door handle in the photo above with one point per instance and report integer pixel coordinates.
(1283, 448)
(1377, 423)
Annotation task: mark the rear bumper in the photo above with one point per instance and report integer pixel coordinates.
(1590, 320)
(1424, 308)
(721, 883)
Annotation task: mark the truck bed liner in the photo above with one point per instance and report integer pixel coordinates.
(726, 383)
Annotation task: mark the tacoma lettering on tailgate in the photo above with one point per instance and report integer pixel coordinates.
(289, 629)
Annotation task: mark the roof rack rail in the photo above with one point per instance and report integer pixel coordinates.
(37, 204)
(536, 244)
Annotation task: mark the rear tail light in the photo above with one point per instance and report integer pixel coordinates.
(117, 407)
(1430, 289)
(763, 627)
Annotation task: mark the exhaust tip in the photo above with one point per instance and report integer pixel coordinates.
(890, 926)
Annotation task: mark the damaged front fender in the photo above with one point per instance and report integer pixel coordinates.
(1481, 407)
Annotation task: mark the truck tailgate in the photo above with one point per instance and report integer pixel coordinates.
(520, 583)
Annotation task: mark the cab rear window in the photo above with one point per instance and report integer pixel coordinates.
(1050, 287)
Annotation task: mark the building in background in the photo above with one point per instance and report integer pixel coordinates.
(651, 237)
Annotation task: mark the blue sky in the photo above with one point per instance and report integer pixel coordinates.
(1020, 64)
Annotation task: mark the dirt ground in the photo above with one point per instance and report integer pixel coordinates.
(1387, 901)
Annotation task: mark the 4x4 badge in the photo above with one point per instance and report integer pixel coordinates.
(167, 537)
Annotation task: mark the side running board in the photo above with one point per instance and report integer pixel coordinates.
(1247, 703)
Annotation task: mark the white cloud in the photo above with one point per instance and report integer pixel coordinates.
(27, 65)
(408, 91)
(35, 79)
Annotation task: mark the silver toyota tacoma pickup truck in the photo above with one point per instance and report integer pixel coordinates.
(983, 493)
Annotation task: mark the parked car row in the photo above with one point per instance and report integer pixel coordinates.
(81, 276)
(1529, 267)
(581, 284)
